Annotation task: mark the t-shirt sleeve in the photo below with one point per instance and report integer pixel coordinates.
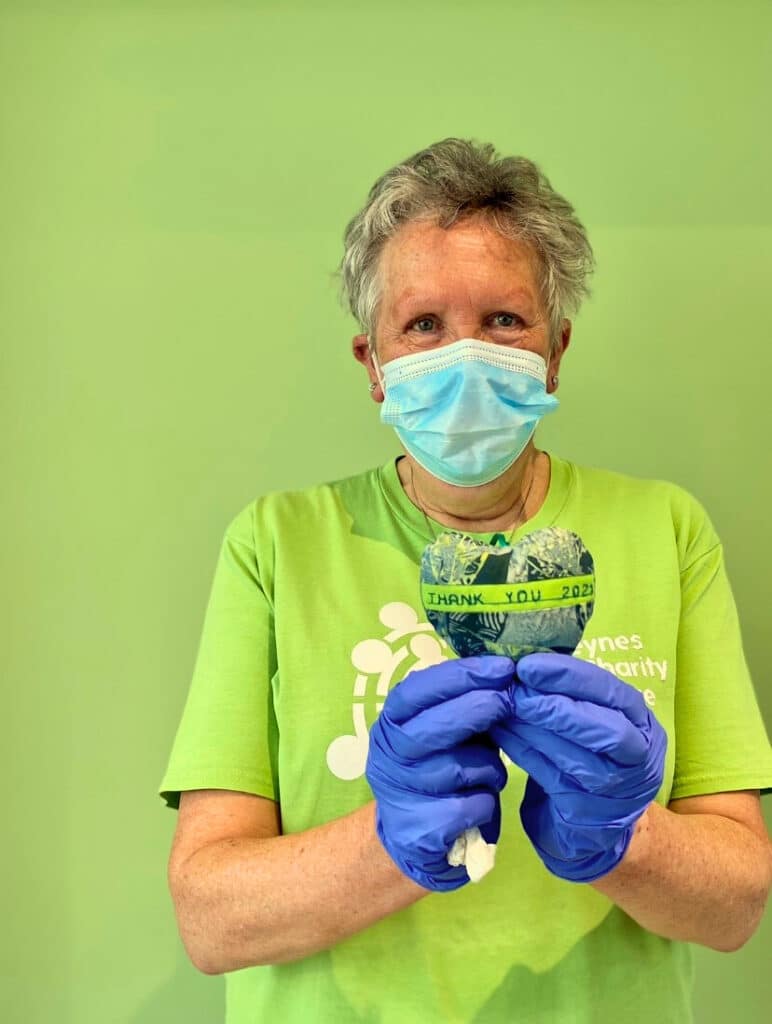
(721, 740)
(227, 736)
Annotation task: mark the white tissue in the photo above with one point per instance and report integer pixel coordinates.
(471, 850)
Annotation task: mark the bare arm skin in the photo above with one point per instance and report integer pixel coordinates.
(246, 895)
(699, 871)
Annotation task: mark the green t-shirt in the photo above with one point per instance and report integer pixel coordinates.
(315, 613)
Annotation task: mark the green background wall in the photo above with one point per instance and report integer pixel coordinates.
(174, 184)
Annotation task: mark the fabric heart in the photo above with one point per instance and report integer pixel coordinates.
(536, 595)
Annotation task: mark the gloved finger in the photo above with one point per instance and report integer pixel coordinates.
(579, 848)
(595, 810)
(543, 824)
(441, 877)
(586, 774)
(430, 825)
(464, 811)
(531, 760)
(491, 830)
(447, 724)
(467, 766)
(438, 683)
(592, 772)
(566, 674)
(603, 730)
(553, 792)
(408, 831)
(537, 816)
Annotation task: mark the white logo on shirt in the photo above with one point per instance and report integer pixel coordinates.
(378, 660)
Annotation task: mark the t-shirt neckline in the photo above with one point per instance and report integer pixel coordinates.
(561, 481)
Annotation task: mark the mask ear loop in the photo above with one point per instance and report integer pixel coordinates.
(376, 365)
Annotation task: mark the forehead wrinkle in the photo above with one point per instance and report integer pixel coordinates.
(496, 297)
(420, 252)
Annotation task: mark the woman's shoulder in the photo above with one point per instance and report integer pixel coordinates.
(637, 486)
(648, 498)
(310, 504)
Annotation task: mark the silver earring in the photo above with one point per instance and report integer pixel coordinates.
(372, 388)
(554, 379)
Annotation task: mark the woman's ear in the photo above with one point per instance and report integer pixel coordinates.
(361, 349)
(553, 365)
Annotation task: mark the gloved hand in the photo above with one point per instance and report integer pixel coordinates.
(595, 757)
(433, 770)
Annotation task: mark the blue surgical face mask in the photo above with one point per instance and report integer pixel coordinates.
(465, 411)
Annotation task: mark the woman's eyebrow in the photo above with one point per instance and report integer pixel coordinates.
(412, 301)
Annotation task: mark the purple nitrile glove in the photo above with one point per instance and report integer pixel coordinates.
(595, 757)
(432, 768)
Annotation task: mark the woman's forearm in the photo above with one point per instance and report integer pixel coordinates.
(694, 877)
(243, 902)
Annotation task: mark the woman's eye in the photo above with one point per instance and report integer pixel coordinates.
(424, 320)
(425, 324)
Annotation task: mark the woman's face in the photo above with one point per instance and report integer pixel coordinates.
(468, 281)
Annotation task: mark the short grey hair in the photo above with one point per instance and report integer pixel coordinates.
(453, 179)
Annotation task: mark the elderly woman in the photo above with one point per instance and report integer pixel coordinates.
(593, 724)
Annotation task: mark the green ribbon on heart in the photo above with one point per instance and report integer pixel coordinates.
(494, 598)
